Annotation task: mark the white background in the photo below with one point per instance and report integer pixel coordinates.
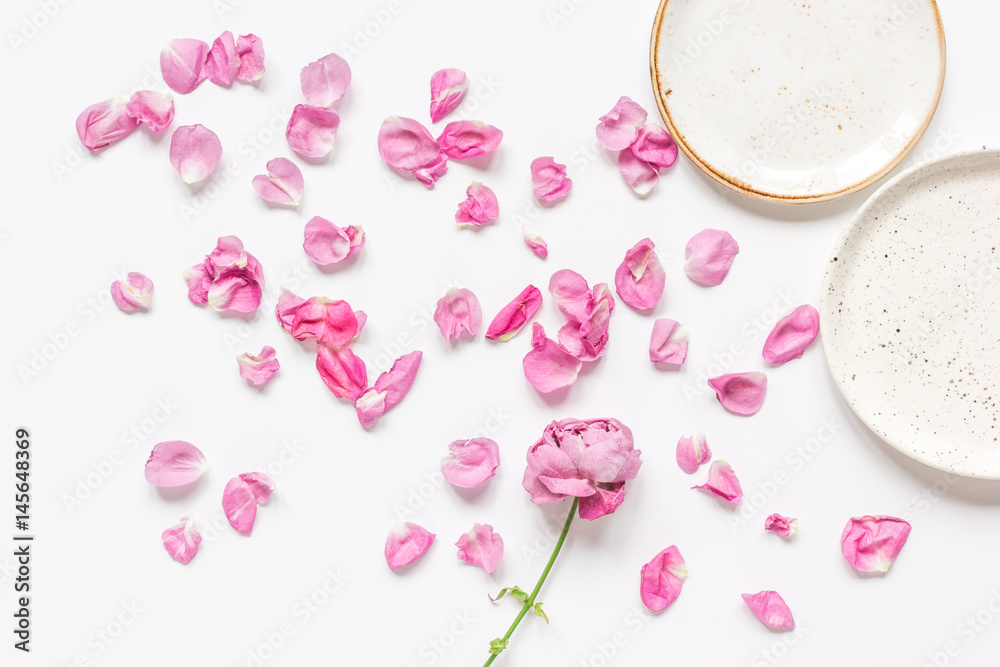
(71, 223)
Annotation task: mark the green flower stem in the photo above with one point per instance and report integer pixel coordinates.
(541, 580)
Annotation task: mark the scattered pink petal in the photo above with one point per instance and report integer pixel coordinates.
(342, 371)
(195, 152)
(448, 87)
(639, 175)
(481, 546)
(326, 243)
(258, 369)
(479, 208)
(574, 296)
(240, 505)
(105, 123)
(429, 174)
(740, 393)
(175, 463)
(792, 335)
(709, 255)
(329, 321)
(536, 243)
(283, 183)
(370, 406)
(406, 543)
(512, 317)
(770, 609)
(251, 51)
(458, 312)
(781, 525)
(325, 81)
(182, 540)
(548, 366)
(261, 485)
(284, 310)
(620, 126)
(662, 579)
(693, 452)
(154, 109)
(470, 462)
(223, 61)
(548, 180)
(722, 483)
(235, 290)
(639, 279)
(464, 139)
(199, 279)
(395, 383)
(312, 131)
(132, 294)
(182, 63)
(655, 146)
(872, 543)
(669, 342)
(406, 144)
(586, 340)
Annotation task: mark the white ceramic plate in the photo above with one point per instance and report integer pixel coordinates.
(910, 313)
(797, 102)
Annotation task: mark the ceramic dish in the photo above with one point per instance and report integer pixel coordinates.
(910, 313)
(797, 102)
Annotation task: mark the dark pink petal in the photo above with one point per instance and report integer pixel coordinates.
(235, 290)
(639, 175)
(325, 81)
(792, 335)
(182, 62)
(258, 369)
(458, 312)
(448, 87)
(639, 279)
(548, 366)
(740, 393)
(668, 343)
(781, 525)
(134, 293)
(662, 579)
(479, 208)
(536, 243)
(396, 381)
(770, 609)
(342, 371)
(470, 462)
(406, 543)
(195, 152)
(722, 483)
(105, 123)
(182, 540)
(223, 61)
(261, 485)
(370, 406)
(481, 546)
(329, 321)
(549, 181)
(512, 317)
(175, 463)
(872, 543)
(284, 310)
(154, 109)
(604, 501)
(326, 243)
(655, 146)
(406, 144)
(312, 131)
(283, 183)
(709, 255)
(620, 126)
(198, 280)
(693, 452)
(469, 138)
(240, 505)
(251, 52)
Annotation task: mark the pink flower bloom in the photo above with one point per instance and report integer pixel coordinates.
(175, 463)
(135, 293)
(781, 525)
(620, 126)
(536, 243)
(479, 208)
(195, 152)
(182, 63)
(182, 540)
(872, 543)
(709, 255)
(590, 459)
(388, 390)
(770, 609)
(662, 579)
(325, 81)
(693, 452)
(638, 174)
(342, 371)
(668, 343)
(312, 131)
(223, 61)
(285, 309)
(326, 243)
(230, 279)
(258, 369)
(261, 485)
(407, 145)
(469, 138)
(481, 546)
(548, 180)
(251, 52)
(512, 317)
(458, 311)
(406, 543)
(548, 366)
(792, 335)
(282, 185)
(448, 87)
(154, 109)
(655, 146)
(740, 393)
(470, 462)
(105, 123)
(640, 279)
(722, 483)
(240, 505)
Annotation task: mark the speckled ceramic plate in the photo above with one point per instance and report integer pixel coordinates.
(797, 102)
(910, 313)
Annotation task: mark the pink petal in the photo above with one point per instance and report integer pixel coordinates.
(406, 543)
(326, 243)
(325, 81)
(512, 317)
(548, 180)
(154, 109)
(182, 540)
(430, 173)
(770, 609)
(240, 505)
(228, 252)
(872, 543)
(655, 146)
(182, 62)
(709, 255)
(669, 342)
(370, 406)
(135, 293)
(175, 463)
(195, 152)
(258, 369)
(469, 138)
(693, 452)
(261, 485)
(781, 525)
(740, 393)
(396, 381)
(458, 312)
(448, 87)
(640, 279)
(251, 51)
(470, 462)
(223, 61)
(342, 371)
(406, 144)
(312, 131)
(198, 280)
(481, 546)
(639, 175)
(105, 123)
(722, 483)
(479, 208)
(284, 310)
(586, 340)
(548, 366)
(574, 296)
(620, 126)
(536, 243)
(283, 183)
(329, 321)
(662, 579)
(235, 290)
(792, 335)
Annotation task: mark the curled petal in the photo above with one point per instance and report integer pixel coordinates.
(182, 540)
(329, 321)
(430, 173)
(639, 175)
(175, 463)
(470, 462)
(240, 505)
(605, 500)
(740, 393)
(258, 369)
(640, 279)
(235, 290)
(312, 131)
(182, 63)
(512, 317)
(195, 152)
(536, 243)
(325, 81)
(655, 146)
(792, 335)
(872, 543)
(709, 255)
(199, 279)
(448, 87)
(458, 311)
(469, 138)
(693, 452)
(134, 293)
(223, 61)
(105, 123)
(781, 525)
(326, 243)
(370, 406)
(668, 343)
(342, 371)
(586, 340)
(395, 383)
(770, 609)
(284, 310)
(283, 183)
(153, 108)
(549, 181)
(261, 485)
(548, 366)
(620, 126)
(406, 543)
(481, 546)
(722, 483)
(251, 51)
(662, 579)
(479, 208)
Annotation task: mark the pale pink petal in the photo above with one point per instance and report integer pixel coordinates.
(640, 279)
(175, 463)
(871, 543)
(639, 175)
(182, 540)
(668, 343)
(709, 254)
(153, 108)
(223, 61)
(458, 312)
(770, 609)
(574, 296)
(261, 485)
(228, 252)
(430, 173)
(329, 321)
(251, 51)
(370, 406)
(722, 483)
(693, 452)
(479, 208)
(406, 144)
(548, 366)
(283, 183)
(284, 310)
(469, 138)
(195, 152)
(326, 243)
(342, 371)
(240, 505)
(396, 381)
(481, 546)
(406, 543)
(781, 525)
(325, 81)
(258, 369)
(182, 63)
(620, 126)
(312, 131)
(536, 243)
(105, 123)
(549, 181)
(662, 579)
(235, 290)
(792, 335)
(134, 293)
(448, 87)
(198, 280)
(655, 146)
(470, 462)
(586, 340)
(512, 317)
(740, 393)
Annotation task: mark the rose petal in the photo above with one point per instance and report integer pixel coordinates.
(448, 87)
(329, 321)
(709, 255)
(223, 61)
(240, 505)
(479, 208)
(574, 296)
(396, 381)
(105, 123)
(283, 183)
(655, 146)
(639, 175)
(326, 243)
(722, 483)
(182, 540)
(470, 462)
(228, 252)
(261, 485)
(640, 279)
(781, 525)
(549, 181)
(406, 543)
(604, 501)
(458, 312)
(312, 131)
(536, 243)
(258, 369)
(430, 173)
(586, 340)
(251, 51)
(512, 317)
(175, 463)
(481, 546)
(195, 152)
(662, 579)
(198, 280)
(792, 335)
(740, 393)
(872, 543)
(182, 63)
(284, 310)
(668, 343)
(235, 290)
(134, 293)
(342, 371)
(693, 452)
(770, 609)
(370, 406)
(464, 139)
(548, 366)
(325, 81)
(153, 108)
(619, 127)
